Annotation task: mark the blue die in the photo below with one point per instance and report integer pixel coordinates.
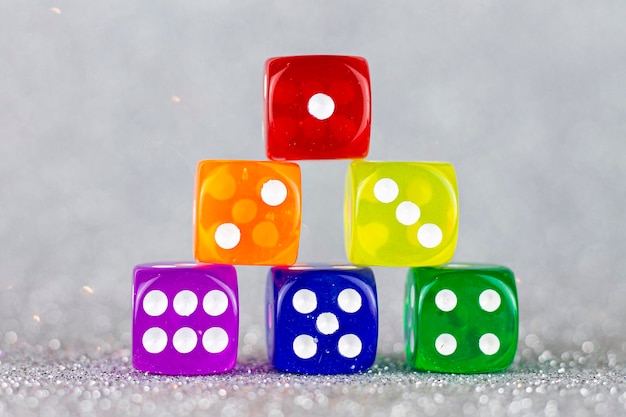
(321, 319)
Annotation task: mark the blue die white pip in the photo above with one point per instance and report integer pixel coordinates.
(321, 319)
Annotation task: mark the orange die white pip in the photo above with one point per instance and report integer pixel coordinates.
(247, 212)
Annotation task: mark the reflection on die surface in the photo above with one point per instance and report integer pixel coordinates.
(247, 212)
(321, 319)
(317, 107)
(185, 318)
(401, 213)
(461, 318)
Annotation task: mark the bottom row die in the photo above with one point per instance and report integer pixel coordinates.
(185, 318)
(461, 318)
(321, 319)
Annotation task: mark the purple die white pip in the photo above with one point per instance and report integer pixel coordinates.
(321, 319)
(185, 318)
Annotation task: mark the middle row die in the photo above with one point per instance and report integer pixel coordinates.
(396, 213)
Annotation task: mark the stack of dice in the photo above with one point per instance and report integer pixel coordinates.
(323, 319)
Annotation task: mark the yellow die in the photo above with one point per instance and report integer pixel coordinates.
(401, 213)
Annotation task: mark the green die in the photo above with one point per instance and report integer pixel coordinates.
(461, 318)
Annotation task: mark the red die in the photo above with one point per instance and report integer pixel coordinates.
(317, 107)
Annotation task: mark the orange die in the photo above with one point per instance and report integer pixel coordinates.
(247, 212)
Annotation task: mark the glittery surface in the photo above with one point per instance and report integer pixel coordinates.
(575, 384)
(106, 107)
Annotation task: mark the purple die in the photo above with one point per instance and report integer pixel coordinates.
(321, 319)
(185, 318)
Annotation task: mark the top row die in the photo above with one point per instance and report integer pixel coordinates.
(317, 107)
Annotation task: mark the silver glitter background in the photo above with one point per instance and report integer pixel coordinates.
(105, 108)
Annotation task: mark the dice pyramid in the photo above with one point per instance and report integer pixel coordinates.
(323, 318)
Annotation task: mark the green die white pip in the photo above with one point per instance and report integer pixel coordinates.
(461, 318)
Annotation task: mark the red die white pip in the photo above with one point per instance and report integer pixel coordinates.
(317, 107)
